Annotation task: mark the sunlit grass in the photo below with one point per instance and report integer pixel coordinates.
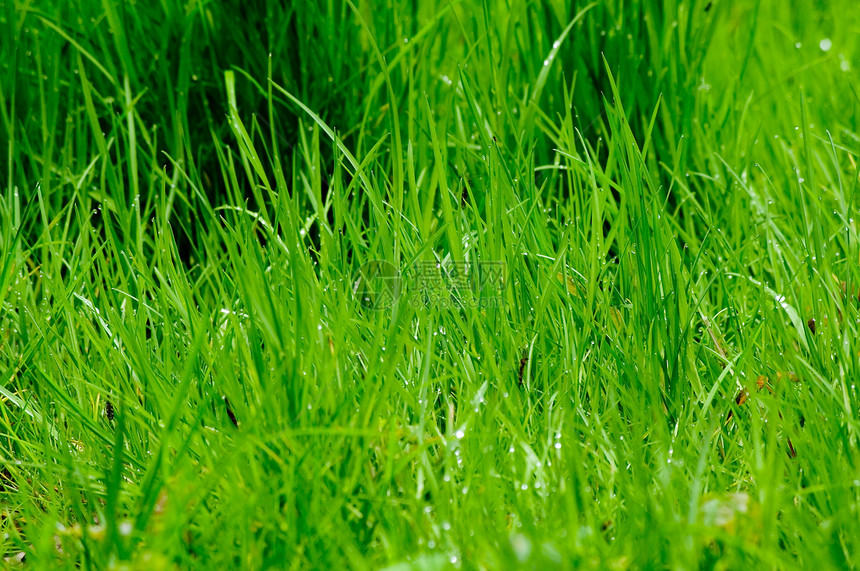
(412, 285)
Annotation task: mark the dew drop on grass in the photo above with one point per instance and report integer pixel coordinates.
(825, 45)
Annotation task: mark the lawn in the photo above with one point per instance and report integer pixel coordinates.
(410, 285)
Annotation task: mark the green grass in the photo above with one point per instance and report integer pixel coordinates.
(189, 193)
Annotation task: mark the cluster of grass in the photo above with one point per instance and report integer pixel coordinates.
(663, 374)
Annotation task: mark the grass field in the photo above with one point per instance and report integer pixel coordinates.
(410, 285)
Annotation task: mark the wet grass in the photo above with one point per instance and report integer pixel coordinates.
(474, 285)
